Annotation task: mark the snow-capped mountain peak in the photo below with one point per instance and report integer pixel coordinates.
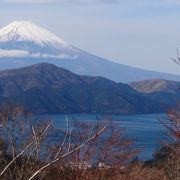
(28, 31)
(26, 39)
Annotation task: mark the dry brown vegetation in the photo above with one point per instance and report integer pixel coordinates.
(31, 148)
(169, 157)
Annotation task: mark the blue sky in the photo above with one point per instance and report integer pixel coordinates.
(134, 32)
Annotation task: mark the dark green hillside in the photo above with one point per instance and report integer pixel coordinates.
(50, 89)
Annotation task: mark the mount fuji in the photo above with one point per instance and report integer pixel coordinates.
(25, 39)
(24, 43)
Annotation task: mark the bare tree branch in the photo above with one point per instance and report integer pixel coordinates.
(70, 152)
(64, 140)
(24, 150)
(177, 58)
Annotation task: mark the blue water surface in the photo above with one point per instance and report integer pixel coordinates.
(146, 130)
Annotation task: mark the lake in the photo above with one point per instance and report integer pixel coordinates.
(146, 130)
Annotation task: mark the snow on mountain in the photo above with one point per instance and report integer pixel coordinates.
(23, 43)
(28, 31)
(24, 38)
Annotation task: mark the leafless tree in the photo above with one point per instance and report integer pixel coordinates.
(26, 155)
(170, 163)
(110, 152)
(81, 151)
(94, 133)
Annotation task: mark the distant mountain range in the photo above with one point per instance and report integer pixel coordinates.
(156, 85)
(167, 93)
(46, 88)
(24, 43)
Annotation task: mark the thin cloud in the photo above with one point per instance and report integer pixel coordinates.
(86, 2)
(60, 1)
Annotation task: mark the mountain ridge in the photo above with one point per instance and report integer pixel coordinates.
(47, 88)
(166, 92)
(156, 85)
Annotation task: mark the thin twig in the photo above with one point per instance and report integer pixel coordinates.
(68, 153)
(22, 152)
